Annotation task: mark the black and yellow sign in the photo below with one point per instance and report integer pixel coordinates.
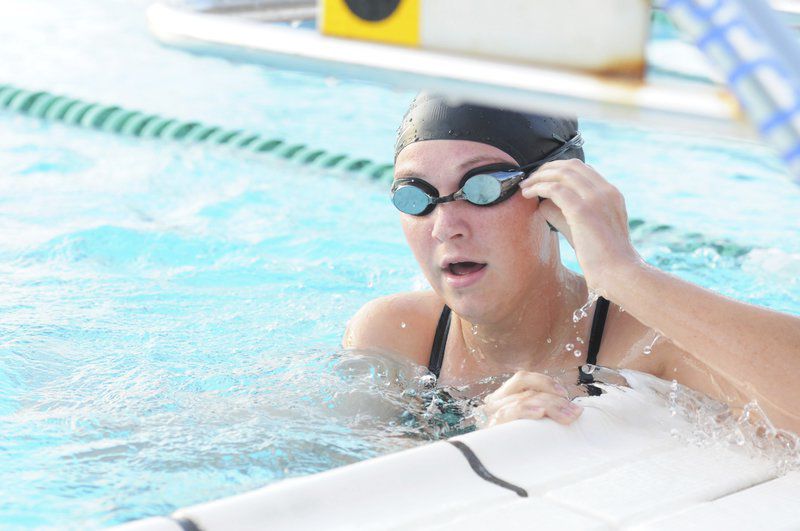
(394, 21)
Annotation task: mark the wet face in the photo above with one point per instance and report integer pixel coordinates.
(483, 261)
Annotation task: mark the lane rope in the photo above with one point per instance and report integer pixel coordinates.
(132, 123)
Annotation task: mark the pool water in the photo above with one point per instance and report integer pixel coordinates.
(170, 316)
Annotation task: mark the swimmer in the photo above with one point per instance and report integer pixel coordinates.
(481, 193)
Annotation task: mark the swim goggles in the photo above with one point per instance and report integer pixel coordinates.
(484, 186)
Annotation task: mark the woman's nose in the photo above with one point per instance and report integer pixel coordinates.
(449, 221)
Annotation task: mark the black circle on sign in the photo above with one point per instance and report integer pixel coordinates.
(372, 10)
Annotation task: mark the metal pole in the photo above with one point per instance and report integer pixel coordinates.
(760, 60)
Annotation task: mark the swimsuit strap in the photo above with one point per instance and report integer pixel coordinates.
(439, 341)
(595, 336)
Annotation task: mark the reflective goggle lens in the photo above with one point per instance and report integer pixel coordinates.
(482, 186)
(482, 189)
(411, 200)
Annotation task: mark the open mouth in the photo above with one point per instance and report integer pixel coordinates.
(464, 268)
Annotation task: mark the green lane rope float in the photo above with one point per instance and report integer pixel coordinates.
(114, 119)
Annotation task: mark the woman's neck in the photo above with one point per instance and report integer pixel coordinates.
(534, 335)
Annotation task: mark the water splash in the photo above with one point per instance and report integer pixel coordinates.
(715, 424)
(583, 311)
(673, 396)
(427, 380)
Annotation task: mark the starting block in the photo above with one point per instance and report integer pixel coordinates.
(574, 34)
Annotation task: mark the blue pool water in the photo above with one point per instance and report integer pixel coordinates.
(170, 316)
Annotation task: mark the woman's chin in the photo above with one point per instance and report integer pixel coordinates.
(471, 307)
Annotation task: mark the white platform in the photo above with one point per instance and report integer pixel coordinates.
(682, 106)
(617, 467)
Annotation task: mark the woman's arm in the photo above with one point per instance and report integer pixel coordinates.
(756, 349)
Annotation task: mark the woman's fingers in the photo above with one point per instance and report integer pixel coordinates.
(579, 177)
(562, 194)
(569, 183)
(561, 202)
(527, 381)
(529, 395)
(536, 406)
(493, 406)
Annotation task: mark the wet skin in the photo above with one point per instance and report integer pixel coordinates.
(499, 269)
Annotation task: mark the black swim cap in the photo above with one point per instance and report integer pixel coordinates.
(526, 137)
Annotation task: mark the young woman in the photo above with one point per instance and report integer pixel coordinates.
(481, 192)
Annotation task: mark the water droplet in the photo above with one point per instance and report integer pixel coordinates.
(474, 329)
(581, 312)
(450, 132)
(620, 309)
(588, 368)
(402, 325)
(549, 340)
(428, 380)
(569, 347)
(649, 349)
(578, 353)
(580, 340)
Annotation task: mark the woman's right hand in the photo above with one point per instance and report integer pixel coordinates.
(528, 395)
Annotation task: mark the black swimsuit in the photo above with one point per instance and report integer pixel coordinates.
(595, 336)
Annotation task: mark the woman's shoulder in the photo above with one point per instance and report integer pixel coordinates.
(403, 324)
